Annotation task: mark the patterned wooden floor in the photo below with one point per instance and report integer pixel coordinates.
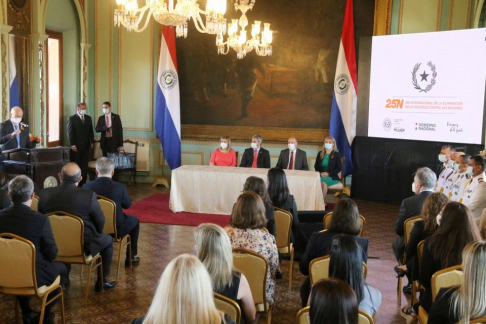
(160, 243)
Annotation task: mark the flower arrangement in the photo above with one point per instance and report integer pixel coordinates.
(34, 139)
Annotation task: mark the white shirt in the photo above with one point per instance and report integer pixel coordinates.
(457, 189)
(109, 120)
(474, 196)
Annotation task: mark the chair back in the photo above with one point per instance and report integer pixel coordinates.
(481, 320)
(327, 221)
(408, 225)
(228, 306)
(319, 269)
(97, 152)
(254, 266)
(364, 318)
(17, 262)
(420, 251)
(108, 207)
(452, 276)
(68, 232)
(283, 224)
(303, 316)
(35, 203)
(131, 147)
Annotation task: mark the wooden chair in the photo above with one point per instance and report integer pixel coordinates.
(481, 320)
(255, 267)
(319, 269)
(68, 232)
(327, 221)
(108, 207)
(35, 203)
(130, 147)
(338, 187)
(283, 224)
(407, 229)
(416, 286)
(452, 276)
(365, 318)
(303, 316)
(228, 306)
(17, 274)
(423, 316)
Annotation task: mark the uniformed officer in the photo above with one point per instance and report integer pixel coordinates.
(474, 196)
(457, 188)
(447, 184)
(444, 156)
(447, 170)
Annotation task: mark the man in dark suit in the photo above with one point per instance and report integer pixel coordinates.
(256, 156)
(292, 158)
(106, 187)
(83, 203)
(110, 126)
(20, 220)
(13, 133)
(444, 158)
(423, 186)
(81, 139)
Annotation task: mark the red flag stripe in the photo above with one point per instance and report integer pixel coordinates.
(347, 39)
(168, 34)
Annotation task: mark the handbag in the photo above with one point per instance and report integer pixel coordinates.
(123, 160)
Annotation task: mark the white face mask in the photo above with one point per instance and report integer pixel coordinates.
(442, 158)
(224, 145)
(291, 146)
(83, 112)
(254, 146)
(450, 163)
(413, 187)
(470, 170)
(456, 167)
(328, 146)
(106, 111)
(16, 121)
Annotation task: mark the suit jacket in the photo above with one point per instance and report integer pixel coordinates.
(410, 207)
(334, 166)
(79, 133)
(300, 161)
(115, 191)
(116, 130)
(263, 159)
(8, 142)
(80, 202)
(5, 201)
(35, 227)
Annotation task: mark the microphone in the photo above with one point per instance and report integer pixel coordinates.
(25, 125)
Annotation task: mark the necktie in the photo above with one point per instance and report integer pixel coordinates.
(16, 127)
(82, 118)
(108, 131)
(255, 155)
(291, 163)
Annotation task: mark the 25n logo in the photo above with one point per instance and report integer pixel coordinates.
(395, 103)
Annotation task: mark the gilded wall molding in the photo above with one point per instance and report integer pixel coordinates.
(162, 163)
(400, 18)
(382, 20)
(84, 69)
(4, 75)
(41, 91)
(450, 19)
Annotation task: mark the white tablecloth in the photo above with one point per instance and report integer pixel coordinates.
(214, 190)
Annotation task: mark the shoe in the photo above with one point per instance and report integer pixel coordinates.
(135, 261)
(48, 318)
(407, 289)
(400, 272)
(30, 318)
(106, 285)
(279, 274)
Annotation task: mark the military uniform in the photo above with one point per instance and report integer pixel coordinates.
(447, 187)
(474, 196)
(457, 188)
(443, 176)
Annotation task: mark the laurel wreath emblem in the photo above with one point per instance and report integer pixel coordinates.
(432, 81)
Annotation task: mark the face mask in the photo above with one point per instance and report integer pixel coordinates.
(254, 146)
(106, 111)
(413, 186)
(328, 146)
(16, 120)
(470, 170)
(456, 167)
(450, 163)
(438, 218)
(291, 146)
(83, 112)
(224, 145)
(442, 158)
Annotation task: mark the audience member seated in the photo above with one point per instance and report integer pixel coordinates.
(67, 197)
(328, 164)
(4, 199)
(468, 301)
(246, 231)
(224, 155)
(258, 186)
(422, 229)
(255, 156)
(456, 167)
(444, 248)
(20, 220)
(333, 302)
(474, 196)
(344, 220)
(184, 295)
(213, 248)
(423, 184)
(292, 158)
(346, 263)
(447, 171)
(104, 186)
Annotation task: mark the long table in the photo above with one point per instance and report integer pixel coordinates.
(214, 190)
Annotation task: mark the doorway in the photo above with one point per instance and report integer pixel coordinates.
(54, 87)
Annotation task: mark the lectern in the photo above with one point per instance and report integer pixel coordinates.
(42, 165)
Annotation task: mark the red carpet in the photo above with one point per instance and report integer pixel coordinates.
(155, 209)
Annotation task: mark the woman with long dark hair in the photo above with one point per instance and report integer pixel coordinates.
(258, 186)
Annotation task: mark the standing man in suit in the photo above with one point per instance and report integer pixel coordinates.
(256, 156)
(20, 220)
(83, 203)
(292, 158)
(13, 133)
(106, 187)
(111, 129)
(81, 139)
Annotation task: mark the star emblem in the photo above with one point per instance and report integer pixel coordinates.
(424, 76)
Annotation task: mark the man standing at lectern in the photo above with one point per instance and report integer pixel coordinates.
(13, 133)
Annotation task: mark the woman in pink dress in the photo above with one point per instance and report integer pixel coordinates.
(224, 155)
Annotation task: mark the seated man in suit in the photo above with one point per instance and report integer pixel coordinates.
(104, 186)
(67, 197)
(297, 160)
(13, 133)
(20, 220)
(256, 156)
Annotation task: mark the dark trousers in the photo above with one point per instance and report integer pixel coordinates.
(132, 228)
(81, 158)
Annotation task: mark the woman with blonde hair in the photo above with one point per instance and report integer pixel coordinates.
(213, 248)
(328, 164)
(224, 155)
(466, 302)
(246, 231)
(184, 295)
